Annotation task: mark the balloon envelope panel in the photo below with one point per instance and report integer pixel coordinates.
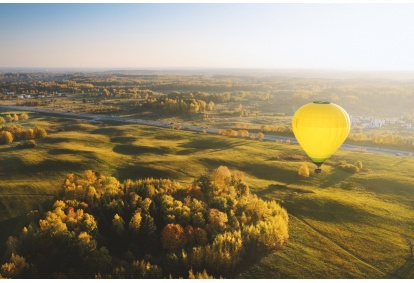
(320, 128)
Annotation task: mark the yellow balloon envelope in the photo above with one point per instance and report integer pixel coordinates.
(320, 128)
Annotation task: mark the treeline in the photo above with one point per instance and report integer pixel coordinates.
(279, 129)
(152, 228)
(9, 134)
(240, 133)
(15, 132)
(175, 106)
(386, 138)
(220, 97)
(13, 118)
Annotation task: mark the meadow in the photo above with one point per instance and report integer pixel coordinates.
(342, 225)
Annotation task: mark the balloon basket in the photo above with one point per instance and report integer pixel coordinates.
(318, 170)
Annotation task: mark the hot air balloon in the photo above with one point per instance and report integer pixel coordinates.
(320, 128)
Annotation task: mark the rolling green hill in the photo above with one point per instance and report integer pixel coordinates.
(342, 225)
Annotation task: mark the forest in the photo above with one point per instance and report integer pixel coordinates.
(148, 228)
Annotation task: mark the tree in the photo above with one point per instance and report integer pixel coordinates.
(29, 134)
(9, 118)
(135, 222)
(210, 106)
(260, 136)
(6, 137)
(2, 120)
(24, 116)
(118, 224)
(15, 268)
(15, 118)
(40, 132)
(358, 164)
(303, 170)
(173, 237)
(199, 275)
(217, 219)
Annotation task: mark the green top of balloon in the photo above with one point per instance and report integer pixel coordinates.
(322, 102)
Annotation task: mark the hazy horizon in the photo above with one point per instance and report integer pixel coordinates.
(339, 37)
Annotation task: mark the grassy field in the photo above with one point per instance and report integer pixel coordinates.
(341, 225)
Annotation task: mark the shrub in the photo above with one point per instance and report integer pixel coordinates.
(40, 132)
(24, 116)
(6, 137)
(349, 168)
(358, 164)
(27, 144)
(303, 170)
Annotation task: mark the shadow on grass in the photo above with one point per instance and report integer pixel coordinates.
(55, 140)
(168, 136)
(262, 171)
(58, 151)
(142, 171)
(13, 226)
(326, 210)
(336, 176)
(109, 131)
(5, 149)
(197, 145)
(269, 172)
(406, 271)
(17, 166)
(123, 139)
(276, 188)
(136, 150)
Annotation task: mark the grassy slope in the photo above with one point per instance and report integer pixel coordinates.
(341, 225)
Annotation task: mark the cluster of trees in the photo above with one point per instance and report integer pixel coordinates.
(303, 170)
(279, 129)
(351, 168)
(382, 138)
(240, 133)
(151, 228)
(222, 97)
(174, 106)
(8, 134)
(13, 118)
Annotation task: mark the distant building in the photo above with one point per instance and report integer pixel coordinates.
(377, 123)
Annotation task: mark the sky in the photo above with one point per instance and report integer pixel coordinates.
(377, 37)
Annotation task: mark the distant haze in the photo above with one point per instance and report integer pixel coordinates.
(364, 37)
